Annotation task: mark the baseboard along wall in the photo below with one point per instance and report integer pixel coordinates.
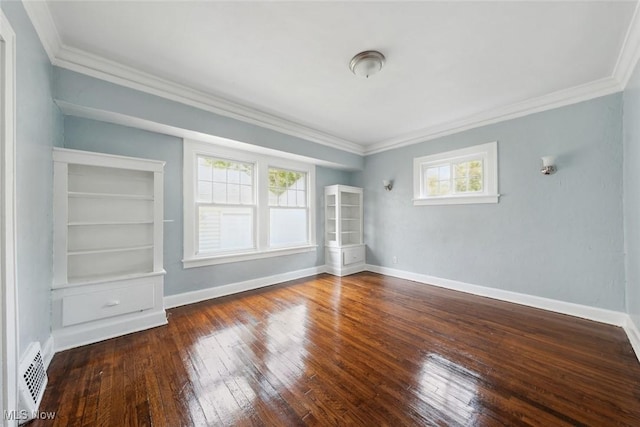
(172, 301)
(583, 311)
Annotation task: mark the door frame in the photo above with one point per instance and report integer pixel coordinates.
(8, 288)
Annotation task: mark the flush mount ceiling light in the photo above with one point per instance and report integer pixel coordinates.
(367, 63)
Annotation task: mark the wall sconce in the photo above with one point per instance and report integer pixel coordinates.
(388, 185)
(548, 165)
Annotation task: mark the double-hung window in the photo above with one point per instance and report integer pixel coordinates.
(288, 208)
(240, 205)
(469, 175)
(225, 204)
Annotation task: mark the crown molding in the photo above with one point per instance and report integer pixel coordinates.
(96, 66)
(40, 16)
(630, 51)
(557, 99)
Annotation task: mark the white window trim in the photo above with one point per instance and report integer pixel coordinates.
(191, 150)
(488, 152)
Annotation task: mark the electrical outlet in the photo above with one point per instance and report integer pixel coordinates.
(395, 259)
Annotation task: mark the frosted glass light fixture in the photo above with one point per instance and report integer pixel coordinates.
(548, 165)
(367, 63)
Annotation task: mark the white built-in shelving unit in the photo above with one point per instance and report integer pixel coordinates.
(108, 246)
(344, 245)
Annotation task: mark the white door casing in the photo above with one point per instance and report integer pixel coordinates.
(8, 291)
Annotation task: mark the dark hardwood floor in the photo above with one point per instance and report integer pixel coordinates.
(360, 350)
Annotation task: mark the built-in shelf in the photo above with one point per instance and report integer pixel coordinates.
(343, 224)
(102, 278)
(108, 246)
(90, 223)
(109, 250)
(344, 252)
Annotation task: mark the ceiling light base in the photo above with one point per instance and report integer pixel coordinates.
(367, 63)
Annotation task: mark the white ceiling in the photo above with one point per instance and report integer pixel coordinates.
(446, 61)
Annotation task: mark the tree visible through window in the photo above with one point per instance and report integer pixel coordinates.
(466, 178)
(467, 175)
(241, 205)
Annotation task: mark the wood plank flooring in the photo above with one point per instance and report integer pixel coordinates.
(364, 350)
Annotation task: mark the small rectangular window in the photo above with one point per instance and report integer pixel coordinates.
(469, 175)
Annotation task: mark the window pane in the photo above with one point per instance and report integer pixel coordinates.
(204, 191)
(475, 183)
(475, 175)
(461, 170)
(445, 188)
(285, 186)
(461, 185)
(445, 173)
(227, 176)
(468, 176)
(438, 180)
(301, 198)
(233, 194)
(245, 177)
(220, 172)
(432, 173)
(219, 193)
(204, 169)
(432, 181)
(246, 195)
(224, 229)
(287, 226)
(233, 175)
(273, 198)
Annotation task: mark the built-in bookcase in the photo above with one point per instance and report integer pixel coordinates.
(344, 229)
(343, 215)
(108, 216)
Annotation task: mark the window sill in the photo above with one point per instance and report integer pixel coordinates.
(247, 256)
(457, 200)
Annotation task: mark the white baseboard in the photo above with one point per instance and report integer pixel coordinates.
(47, 352)
(87, 333)
(584, 311)
(345, 271)
(634, 335)
(234, 288)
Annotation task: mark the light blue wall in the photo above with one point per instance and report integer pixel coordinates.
(88, 92)
(90, 135)
(631, 122)
(39, 127)
(558, 236)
